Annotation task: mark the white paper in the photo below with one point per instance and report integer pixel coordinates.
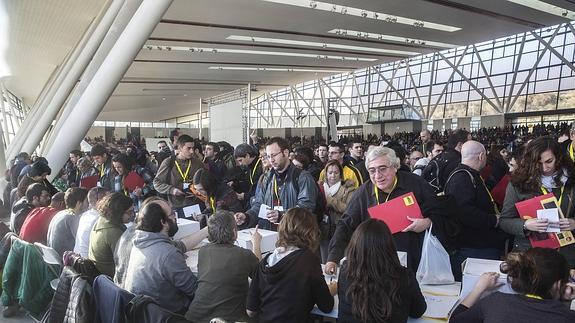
(263, 214)
(192, 210)
(279, 208)
(186, 186)
(439, 306)
(552, 216)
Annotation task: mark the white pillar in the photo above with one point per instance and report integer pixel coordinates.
(249, 98)
(80, 58)
(106, 79)
(201, 120)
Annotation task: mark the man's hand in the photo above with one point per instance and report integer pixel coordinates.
(273, 216)
(418, 225)
(177, 192)
(330, 268)
(240, 218)
(536, 225)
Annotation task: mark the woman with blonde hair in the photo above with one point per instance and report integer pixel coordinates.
(288, 281)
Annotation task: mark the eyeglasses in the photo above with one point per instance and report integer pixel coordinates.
(273, 156)
(379, 169)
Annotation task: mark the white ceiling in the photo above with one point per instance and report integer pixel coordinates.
(164, 84)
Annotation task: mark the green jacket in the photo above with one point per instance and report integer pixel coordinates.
(26, 279)
(103, 239)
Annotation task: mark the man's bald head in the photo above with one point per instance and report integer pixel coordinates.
(473, 154)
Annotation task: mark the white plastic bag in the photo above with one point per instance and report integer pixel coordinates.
(434, 266)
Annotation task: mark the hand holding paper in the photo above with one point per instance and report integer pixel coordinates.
(552, 217)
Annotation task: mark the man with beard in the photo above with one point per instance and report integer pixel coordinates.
(156, 267)
(246, 181)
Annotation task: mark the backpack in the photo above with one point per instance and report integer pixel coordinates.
(433, 172)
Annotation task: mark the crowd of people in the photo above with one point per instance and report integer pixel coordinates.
(117, 210)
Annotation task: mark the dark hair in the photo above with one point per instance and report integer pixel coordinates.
(373, 271)
(281, 142)
(23, 156)
(303, 159)
(34, 190)
(125, 160)
(322, 145)
(242, 150)
(494, 155)
(98, 150)
(459, 136)
(39, 168)
(298, 228)
(207, 180)
(77, 152)
(400, 152)
(58, 198)
(429, 146)
(162, 142)
(113, 206)
(214, 145)
(184, 139)
(353, 141)
(527, 177)
(150, 217)
(337, 145)
(74, 195)
(304, 150)
(535, 271)
(198, 146)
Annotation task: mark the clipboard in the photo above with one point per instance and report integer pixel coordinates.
(133, 180)
(395, 212)
(89, 182)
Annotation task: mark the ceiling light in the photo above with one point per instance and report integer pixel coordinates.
(273, 69)
(259, 52)
(359, 34)
(319, 45)
(546, 7)
(366, 14)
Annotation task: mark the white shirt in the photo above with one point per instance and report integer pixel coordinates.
(87, 221)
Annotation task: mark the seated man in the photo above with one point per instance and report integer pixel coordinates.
(35, 227)
(36, 196)
(157, 268)
(64, 225)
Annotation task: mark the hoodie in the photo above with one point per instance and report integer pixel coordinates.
(288, 290)
(158, 269)
(20, 211)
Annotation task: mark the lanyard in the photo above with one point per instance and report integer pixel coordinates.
(254, 172)
(490, 196)
(276, 192)
(533, 296)
(375, 190)
(560, 196)
(571, 152)
(102, 170)
(184, 176)
(213, 204)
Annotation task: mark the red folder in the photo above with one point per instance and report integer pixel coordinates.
(528, 210)
(395, 212)
(133, 180)
(89, 182)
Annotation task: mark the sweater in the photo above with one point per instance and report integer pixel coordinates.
(223, 271)
(288, 290)
(103, 240)
(501, 307)
(412, 303)
(62, 231)
(35, 228)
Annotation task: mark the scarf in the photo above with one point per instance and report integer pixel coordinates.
(548, 182)
(331, 191)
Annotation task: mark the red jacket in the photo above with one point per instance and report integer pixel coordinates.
(35, 227)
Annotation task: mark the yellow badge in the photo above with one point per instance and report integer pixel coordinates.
(408, 200)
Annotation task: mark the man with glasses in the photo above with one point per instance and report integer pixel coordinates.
(386, 184)
(283, 187)
(336, 151)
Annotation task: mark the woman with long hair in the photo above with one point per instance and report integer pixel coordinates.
(218, 195)
(543, 169)
(540, 277)
(337, 193)
(373, 286)
(127, 169)
(288, 282)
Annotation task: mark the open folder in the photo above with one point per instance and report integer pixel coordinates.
(395, 212)
(528, 210)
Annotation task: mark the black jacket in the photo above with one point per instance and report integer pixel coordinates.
(20, 212)
(440, 167)
(288, 290)
(477, 211)
(364, 198)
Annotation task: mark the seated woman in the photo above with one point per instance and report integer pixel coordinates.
(223, 271)
(539, 276)
(124, 166)
(219, 196)
(373, 286)
(115, 209)
(288, 281)
(337, 194)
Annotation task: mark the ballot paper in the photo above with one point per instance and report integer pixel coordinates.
(552, 216)
(264, 211)
(439, 306)
(192, 210)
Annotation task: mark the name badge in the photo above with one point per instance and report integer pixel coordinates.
(186, 186)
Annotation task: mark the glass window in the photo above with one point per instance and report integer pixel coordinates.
(566, 100)
(541, 102)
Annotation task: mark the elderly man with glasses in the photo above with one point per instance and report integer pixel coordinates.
(386, 184)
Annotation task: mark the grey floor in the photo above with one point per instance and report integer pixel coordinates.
(22, 317)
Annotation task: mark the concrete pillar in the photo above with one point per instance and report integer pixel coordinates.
(105, 80)
(80, 58)
(120, 14)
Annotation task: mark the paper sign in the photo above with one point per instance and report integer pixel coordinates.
(264, 211)
(552, 217)
(192, 210)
